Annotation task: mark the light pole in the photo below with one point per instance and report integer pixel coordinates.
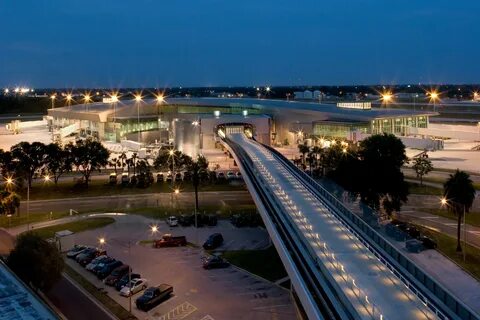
(69, 99)
(52, 98)
(86, 100)
(444, 202)
(434, 96)
(138, 100)
(114, 99)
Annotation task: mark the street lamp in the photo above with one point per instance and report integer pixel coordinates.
(445, 202)
(114, 99)
(86, 99)
(68, 98)
(53, 97)
(434, 96)
(386, 98)
(138, 100)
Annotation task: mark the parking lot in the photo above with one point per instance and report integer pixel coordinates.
(228, 293)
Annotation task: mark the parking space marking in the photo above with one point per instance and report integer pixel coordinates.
(207, 317)
(179, 312)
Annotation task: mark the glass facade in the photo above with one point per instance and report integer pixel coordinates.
(396, 126)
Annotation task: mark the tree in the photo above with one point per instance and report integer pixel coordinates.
(382, 181)
(115, 162)
(58, 161)
(7, 165)
(9, 202)
(199, 171)
(29, 158)
(88, 156)
(37, 262)
(170, 160)
(422, 167)
(459, 193)
(303, 149)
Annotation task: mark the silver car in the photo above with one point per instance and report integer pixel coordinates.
(136, 285)
(95, 262)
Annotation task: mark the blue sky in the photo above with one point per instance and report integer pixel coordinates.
(146, 43)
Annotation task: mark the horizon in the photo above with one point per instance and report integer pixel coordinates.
(115, 44)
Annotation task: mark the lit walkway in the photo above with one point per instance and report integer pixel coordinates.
(373, 290)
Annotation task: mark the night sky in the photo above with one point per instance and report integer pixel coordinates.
(158, 43)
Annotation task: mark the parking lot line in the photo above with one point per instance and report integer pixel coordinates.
(179, 312)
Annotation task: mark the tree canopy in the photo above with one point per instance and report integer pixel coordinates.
(35, 261)
(88, 156)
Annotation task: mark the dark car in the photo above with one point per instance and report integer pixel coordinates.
(186, 220)
(160, 178)
(215, 262)
(102, 264)
(153, 296)
(124, 280)
(168, 240)
(87, 256)
(76, 250)
(187, 176)
(178, 176)
(108, 268)
(211, 220)
(412, 232)
(414, 245)
(428, 243)
(214, 241)
(116, 275)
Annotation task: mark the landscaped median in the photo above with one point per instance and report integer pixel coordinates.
(75, 226)
(102, 297)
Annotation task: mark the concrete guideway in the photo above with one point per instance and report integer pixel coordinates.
(375, 291)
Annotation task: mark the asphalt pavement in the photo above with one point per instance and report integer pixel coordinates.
(122, 202)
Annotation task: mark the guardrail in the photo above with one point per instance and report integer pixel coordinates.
(319, 290)
(444, 302)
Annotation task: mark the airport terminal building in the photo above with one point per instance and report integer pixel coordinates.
(193, 123)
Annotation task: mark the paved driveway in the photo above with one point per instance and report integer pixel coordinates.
(198, 294)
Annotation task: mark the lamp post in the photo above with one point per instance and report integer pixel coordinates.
(160, 99)
(434, 96)
(445, 202)
(52, 98)
(86, 100)
(114, 99)
(138, 100)
(68, 98)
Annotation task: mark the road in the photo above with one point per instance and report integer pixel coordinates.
(73, 303)
(122, 202)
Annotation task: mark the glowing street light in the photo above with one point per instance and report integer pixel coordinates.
(160, 98)
(387, 97)
(53, 97)
(434, 96)
(154, 229)
(138, 100)
(445, 202)
(46, 178)
(195, 123)
(102, 242)
(268, 89)
(177, 191)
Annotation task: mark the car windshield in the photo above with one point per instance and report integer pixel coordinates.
(148, 293)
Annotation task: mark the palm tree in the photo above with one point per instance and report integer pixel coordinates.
(199, 171)
(134, 162)
(459, 193)
(303, 149)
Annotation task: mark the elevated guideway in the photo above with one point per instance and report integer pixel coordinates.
(335, 272)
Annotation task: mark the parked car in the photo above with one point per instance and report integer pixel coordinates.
(75, 250)
(215, 262)
(95, 262)
(124, 280)
(153, 296)
(414, 245)
(186, 220)
(211, 220)
(428, 243)
(214, 241)
(187, 176)
(160, 178)
(412, 231)
(239, 175)
(116, 275)
(102, 264)
(85, 257)
(135, 285)
(178, 176)
(168, 240)
(125, 178)
(230, 175)
(112, 179)
(172, 221)
(108, 268)
(221, 176)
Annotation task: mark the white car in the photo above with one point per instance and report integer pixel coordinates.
(136, 285)
(172, 221)
(230, 175)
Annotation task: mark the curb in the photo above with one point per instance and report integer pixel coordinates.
(89, 296)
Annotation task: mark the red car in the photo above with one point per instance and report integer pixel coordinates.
(170, 241)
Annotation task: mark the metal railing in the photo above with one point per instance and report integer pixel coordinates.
(441, 301)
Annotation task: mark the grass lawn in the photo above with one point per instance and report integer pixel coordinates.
(13, 221)
(64, 189)
(416, 188)
(264, 263)
(447, 245)
(76, 226)
(164, 212)
(104, 299)
(473, 218)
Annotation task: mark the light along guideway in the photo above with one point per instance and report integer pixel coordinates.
(355, 283)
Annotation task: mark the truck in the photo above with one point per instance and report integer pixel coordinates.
(153, 296)
(168, 240)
